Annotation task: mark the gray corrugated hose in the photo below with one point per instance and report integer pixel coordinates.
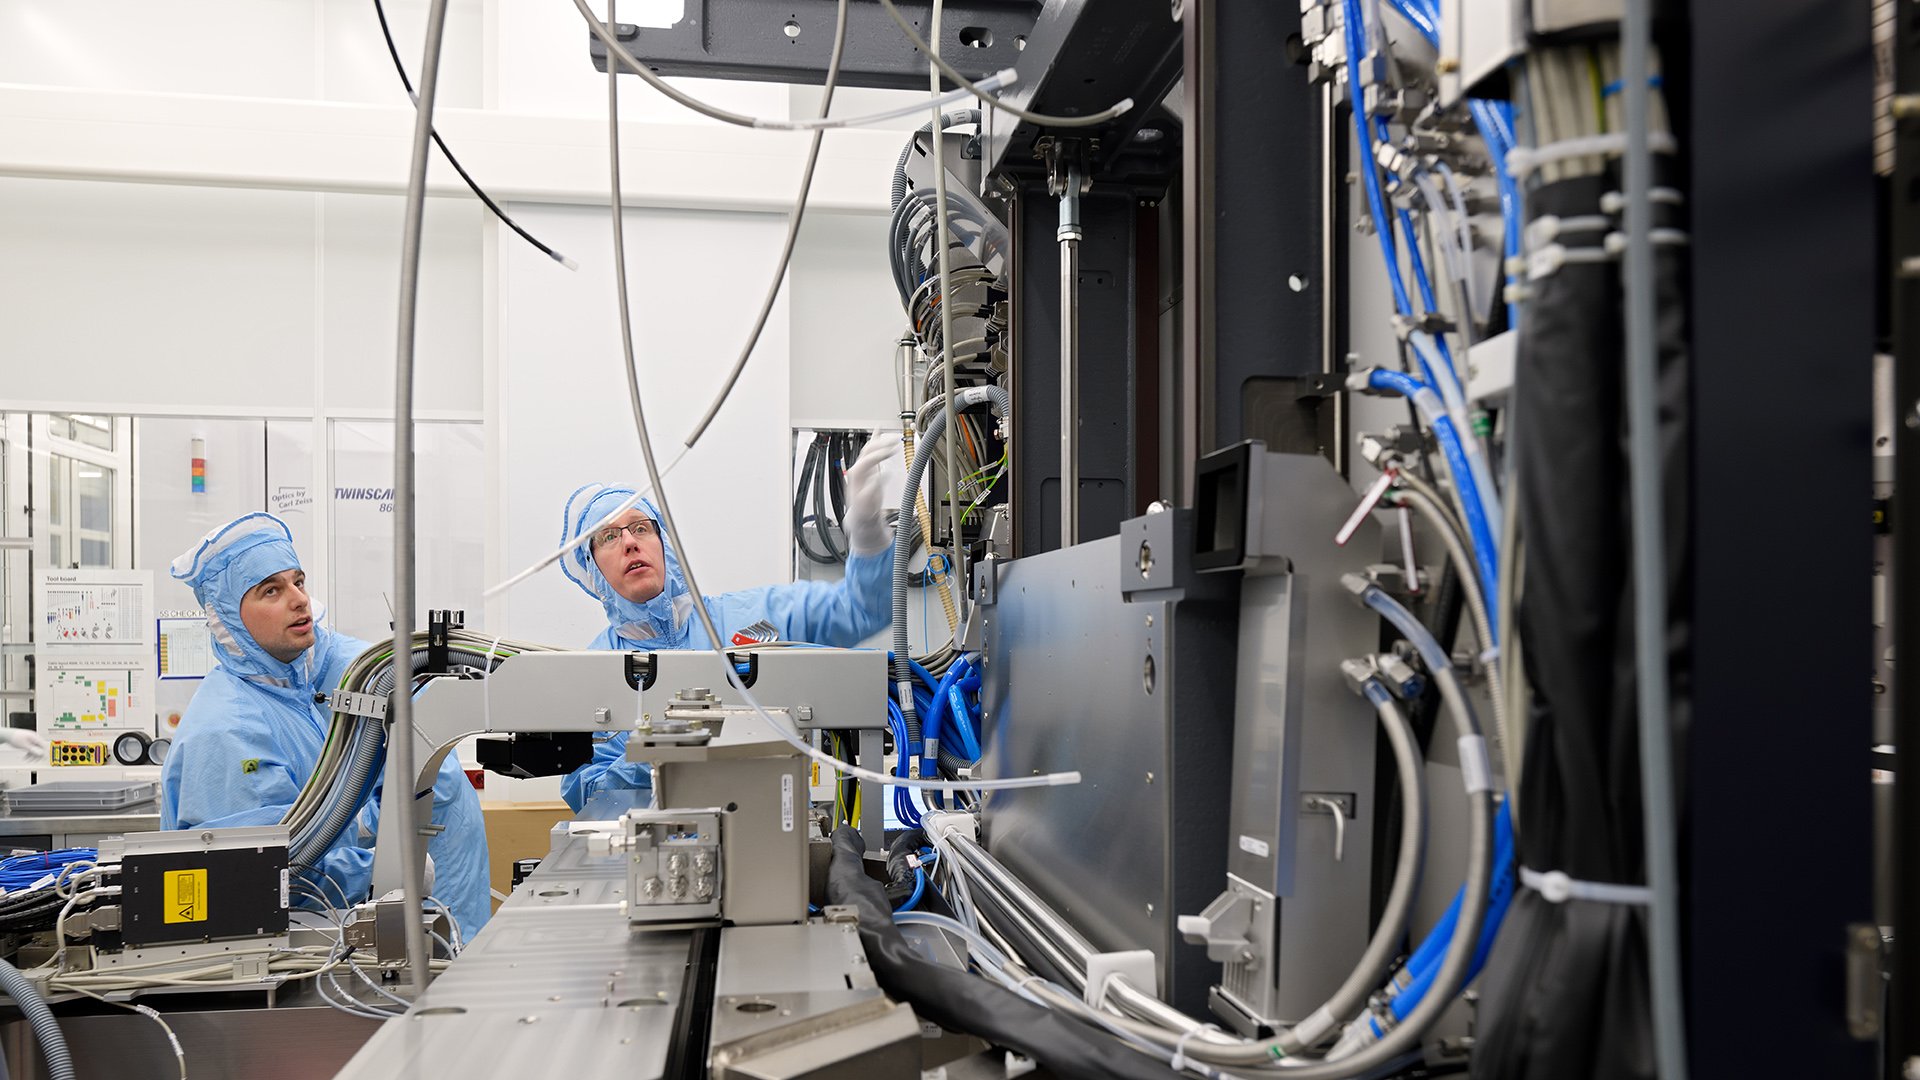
(53, 1045)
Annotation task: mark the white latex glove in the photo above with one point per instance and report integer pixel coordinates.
(866, 517)
(429, 882)
(22, 739)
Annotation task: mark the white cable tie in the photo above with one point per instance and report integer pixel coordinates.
(1475, 772)
(1556, 887)
(1522, 160)
(1179, 1061)
(1617, 241)
(1613, 202)
(1489, 656)
(1547, 261)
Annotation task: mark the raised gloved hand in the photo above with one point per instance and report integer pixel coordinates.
(866, 518)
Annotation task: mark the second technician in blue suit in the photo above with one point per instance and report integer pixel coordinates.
(633, 571)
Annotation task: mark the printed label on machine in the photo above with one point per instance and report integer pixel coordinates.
(1256, 847)
(786, 802)
(185, 892)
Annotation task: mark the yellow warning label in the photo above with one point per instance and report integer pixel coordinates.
(186, 896)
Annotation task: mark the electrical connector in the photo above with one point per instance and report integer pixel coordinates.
(1399, 676)
(1358, 672)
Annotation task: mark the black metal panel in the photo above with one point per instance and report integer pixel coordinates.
(223, 893)
(1904, 239)
(1081, 58)
(1108, 317)
(751, 39)
(1777, 760)
(1256, 286)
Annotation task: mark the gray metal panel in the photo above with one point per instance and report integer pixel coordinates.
(820, 687)
(557, 985)
(1139, 840)
(303, 1043)
(766, 864)
(1299, 729)
(1266, 733)
(748, 39)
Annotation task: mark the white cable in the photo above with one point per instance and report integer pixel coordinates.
(566, 548)
(829, 761)
(655, 479)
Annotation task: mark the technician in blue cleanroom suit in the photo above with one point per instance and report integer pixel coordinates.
(253, 733)
(631, 569)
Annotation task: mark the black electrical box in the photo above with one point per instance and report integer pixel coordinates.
(203, 894)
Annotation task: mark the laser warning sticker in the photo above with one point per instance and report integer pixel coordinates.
(185, 892)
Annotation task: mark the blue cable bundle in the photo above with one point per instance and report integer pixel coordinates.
(19, 872)
(949, 703)
(1424, 964)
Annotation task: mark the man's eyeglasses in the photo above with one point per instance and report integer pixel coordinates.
(611, 534)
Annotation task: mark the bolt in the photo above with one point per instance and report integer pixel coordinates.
(1149, 778)
(1149, 909)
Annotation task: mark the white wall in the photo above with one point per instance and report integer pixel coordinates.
(564, 418)
(266, 304)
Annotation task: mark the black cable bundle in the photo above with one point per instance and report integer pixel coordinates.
(823, 481)
(961, 1002)
(1565, 992)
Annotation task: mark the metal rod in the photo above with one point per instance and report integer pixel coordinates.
(1649, 554)
(1329, 237)
(1070, 235)
(943, 238)
(400, 734)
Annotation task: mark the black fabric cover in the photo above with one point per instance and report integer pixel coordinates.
(1565, 992)
(967, 1003)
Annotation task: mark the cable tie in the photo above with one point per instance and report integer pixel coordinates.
(1522, 160)
(1617, 241)
(1613, 202)
(1556, 887)
(1547, 261)
(1475, 772)
(1179, 1062)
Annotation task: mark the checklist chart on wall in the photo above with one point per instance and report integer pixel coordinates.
(95, 651)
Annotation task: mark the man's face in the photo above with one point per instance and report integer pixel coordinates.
(628, 551)
(276, 612)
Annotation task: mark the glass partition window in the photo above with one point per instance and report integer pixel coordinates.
(79, 513)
